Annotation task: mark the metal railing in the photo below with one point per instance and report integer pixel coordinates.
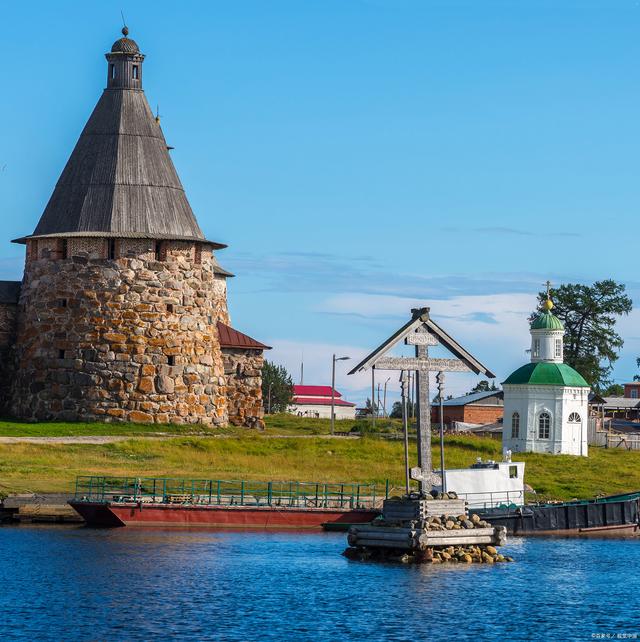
(494, 499)
(226, 492)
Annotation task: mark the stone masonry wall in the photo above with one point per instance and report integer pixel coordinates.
(8, 313)
(243, 371)
(130, 339)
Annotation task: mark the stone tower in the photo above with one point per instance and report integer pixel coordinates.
(122, 294)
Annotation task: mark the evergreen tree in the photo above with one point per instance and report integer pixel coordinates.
(589, 314)
(483, 386)
(277, 388)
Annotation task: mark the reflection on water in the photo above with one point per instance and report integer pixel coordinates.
(130, 584)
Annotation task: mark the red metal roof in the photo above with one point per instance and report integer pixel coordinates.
(313, 401)
(230, 338)
(314, 391)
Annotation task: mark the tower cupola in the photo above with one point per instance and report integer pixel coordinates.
(546, 335)
(125, 64)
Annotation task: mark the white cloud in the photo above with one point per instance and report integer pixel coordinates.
(492, 327)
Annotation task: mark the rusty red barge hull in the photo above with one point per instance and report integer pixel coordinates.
(116, 514)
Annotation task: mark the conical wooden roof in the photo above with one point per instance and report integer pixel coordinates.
(120, 180)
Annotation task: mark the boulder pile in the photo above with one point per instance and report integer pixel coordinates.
(433, 555)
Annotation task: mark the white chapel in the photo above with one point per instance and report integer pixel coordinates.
(546, 401)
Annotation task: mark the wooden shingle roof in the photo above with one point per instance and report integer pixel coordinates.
(120, 180)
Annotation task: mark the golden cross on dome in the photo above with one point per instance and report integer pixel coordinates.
(548, 304)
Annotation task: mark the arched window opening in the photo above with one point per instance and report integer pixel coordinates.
(515, 425)
(135, 72)
(544, 425)
(574, 418)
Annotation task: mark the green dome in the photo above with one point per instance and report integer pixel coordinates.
(547, 374)
(547, 321)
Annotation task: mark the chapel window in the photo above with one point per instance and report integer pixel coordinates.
(515, 425)
(536, 348)
(574, 418)
(558, 348)
(544, 425)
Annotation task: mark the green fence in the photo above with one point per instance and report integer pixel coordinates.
(226, 492)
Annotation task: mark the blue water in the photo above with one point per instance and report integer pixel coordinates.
(60, 583)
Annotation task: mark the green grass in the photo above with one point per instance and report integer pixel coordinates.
(282, 424)
(253, 455)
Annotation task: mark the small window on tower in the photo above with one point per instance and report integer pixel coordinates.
(112, 71)
(169, 307)
(536, 348)
(158, 250)
(112, 249)
(135, 72)
(62, 303)
(61, 354)
(171, 360)
(558, 348)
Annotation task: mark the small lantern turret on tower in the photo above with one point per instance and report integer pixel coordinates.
(546, 334)
(125, 64)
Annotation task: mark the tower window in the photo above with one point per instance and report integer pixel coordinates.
(536, 347)
(158, 250)
(170, 307)
(515, 425)
(61, 354)
(171, 360)
(135, 72)
(574, 418)
(558, 348)
(62, 303)
(544, 425)
(112, 71)
(112, 249)
(65, 249)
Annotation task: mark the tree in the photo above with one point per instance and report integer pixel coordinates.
(589, 314)
(396, 410)
(636, 377)
(483, 386)
(614, 390)
(277, 388)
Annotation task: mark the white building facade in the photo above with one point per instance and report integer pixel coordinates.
(316, 402)
(546, 402)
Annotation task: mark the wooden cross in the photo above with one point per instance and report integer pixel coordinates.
(421, 332)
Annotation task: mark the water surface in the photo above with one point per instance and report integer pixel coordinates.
(59, 583)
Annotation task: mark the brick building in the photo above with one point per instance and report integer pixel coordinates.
(121, 309)
(476, 408)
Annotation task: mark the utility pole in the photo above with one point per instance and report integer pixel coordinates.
(384, 398)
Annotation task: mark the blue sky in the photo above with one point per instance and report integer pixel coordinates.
(361, 157)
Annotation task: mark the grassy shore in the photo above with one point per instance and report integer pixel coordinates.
(312, 456)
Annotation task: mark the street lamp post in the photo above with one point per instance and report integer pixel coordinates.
(333, 389)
